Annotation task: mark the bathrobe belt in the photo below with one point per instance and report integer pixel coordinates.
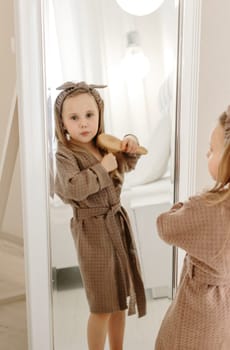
(137, 293)
(201, 276)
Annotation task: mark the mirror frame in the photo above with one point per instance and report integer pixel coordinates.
(31, 90)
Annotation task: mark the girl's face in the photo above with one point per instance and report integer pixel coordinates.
(216, 150)
(80, 117)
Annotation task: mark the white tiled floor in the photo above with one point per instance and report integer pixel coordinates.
(70, 320)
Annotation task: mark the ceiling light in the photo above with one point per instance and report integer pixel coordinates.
(140, 7)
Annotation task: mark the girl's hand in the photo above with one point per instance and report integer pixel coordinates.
(109, 162)
(129, 144)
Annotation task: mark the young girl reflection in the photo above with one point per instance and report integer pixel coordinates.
(90, 180)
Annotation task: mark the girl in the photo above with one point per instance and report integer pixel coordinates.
(199, 316)
(90, 181)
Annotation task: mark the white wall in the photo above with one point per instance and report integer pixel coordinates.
(7, 66)
(214, 78)
(12, 221)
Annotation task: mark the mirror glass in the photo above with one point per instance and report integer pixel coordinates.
(136, 57)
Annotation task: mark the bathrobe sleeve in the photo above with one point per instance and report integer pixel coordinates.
(72, 183)
(196, 227)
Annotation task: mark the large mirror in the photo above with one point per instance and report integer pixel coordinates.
(137, 57)
(56, 306)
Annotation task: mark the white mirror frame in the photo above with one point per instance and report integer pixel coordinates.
(29, 24)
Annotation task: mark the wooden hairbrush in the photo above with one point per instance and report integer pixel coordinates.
(113, 144)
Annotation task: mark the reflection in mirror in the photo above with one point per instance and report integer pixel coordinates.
(136, 56)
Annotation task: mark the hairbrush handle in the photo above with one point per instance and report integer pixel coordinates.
(113, 144)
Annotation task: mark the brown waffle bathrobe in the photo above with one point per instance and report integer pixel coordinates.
(101, 231)
(199, 316)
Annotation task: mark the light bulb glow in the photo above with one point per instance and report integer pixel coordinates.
(135, 65)
(140, 7)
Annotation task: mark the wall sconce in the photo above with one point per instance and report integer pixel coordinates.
(135, 65)
(139, 7)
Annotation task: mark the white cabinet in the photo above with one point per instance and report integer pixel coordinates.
(144, 203)
(62, 244)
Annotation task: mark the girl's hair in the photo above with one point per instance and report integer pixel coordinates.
(71, 89)
(221, 190)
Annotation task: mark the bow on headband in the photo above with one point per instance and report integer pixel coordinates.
(69, 87)
(81, 85)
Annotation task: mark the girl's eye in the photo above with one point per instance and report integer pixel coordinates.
(74, 117)
(88, 115)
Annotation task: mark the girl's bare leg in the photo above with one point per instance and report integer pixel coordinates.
(116, 329)
(97, 330)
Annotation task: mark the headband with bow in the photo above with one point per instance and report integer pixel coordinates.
(69, 87)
